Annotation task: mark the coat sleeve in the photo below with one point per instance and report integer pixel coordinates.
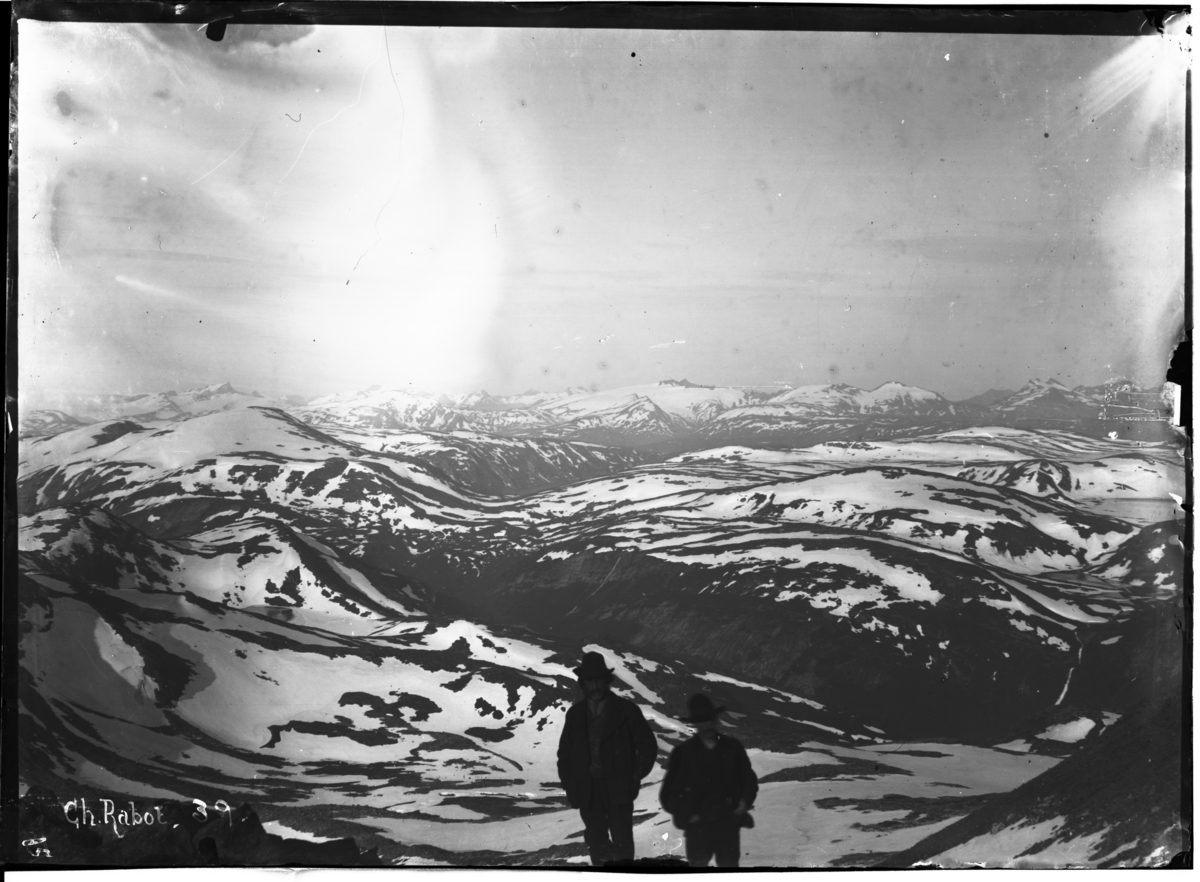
(645, 745)
(746, 777)
(564, 754)
(668, 795)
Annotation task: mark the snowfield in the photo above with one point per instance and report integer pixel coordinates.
(361, 615)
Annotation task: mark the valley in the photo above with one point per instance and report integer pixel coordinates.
(361, 618)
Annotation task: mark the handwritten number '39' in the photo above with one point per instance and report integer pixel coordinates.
(201, 812)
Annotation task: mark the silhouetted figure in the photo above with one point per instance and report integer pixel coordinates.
(709, 788)
(605, 751)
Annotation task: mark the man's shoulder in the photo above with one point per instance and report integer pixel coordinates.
(731, 743)
(688, 745)
(692, 751)
(624, 705)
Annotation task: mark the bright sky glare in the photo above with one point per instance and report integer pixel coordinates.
(309, 210)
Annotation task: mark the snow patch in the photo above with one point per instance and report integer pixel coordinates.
(123, 659)
(998, 849)
(1060, 607)
(720, 678)
(1071, 732)
(1018, 746)
(278, 829)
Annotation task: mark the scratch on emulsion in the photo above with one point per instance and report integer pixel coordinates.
(399, 147)
(225, 160)
(313, 130)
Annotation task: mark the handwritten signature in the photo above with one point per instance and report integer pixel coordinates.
(126, 816)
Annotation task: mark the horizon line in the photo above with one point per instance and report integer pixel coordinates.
(568, 389)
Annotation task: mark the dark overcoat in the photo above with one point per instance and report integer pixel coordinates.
(708, 782)
(628, 750)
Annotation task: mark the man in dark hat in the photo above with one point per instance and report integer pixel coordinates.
(709, 788)
(605, 751)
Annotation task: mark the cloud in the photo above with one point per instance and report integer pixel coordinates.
(164, 183)
(671, 343)
(161, 291)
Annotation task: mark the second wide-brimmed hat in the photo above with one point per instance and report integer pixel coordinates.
(701, 709)
(594, 668)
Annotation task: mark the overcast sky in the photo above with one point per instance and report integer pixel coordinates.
(303, 211)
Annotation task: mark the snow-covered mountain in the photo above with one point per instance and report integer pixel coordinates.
(1037, 477)
(167, 406)
(1049, 399)
(254, 562)
(897, 396)
(780, 426)
(496, 465)
(220, 392)
(481, 399)
(988, 398)
(816, 414)
(398, 410)
(1123, 476)
(151, 406)
(478, 400)
(869, 557)
(1153, 560)
(630, 421)
(533, 398)
(692, 404)
(1080, 813)
(824, 398)
(40, 423)
(374, 626)
(633, 414)
(674, 414)
(379, 408)
(842, 400)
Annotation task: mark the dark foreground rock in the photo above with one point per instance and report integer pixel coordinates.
(55, 830)
(1122, 799)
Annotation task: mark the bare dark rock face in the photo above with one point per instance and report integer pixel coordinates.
(1152, 561)
(167, 834)
(1123, 793)
(988, 682)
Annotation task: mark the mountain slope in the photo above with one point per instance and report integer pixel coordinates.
(1078, 813)
(631, 421)
(1153, 560)
(675, 412)
(692, 404)
(988, 398)
(898, 568)
(376, 627)
(42, 423)
(378, 408)
(254, 563)
(162, 406)
(1125, 476)
(500, 466)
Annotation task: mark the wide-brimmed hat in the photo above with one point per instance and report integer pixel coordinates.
(594, 668)
(701, 709)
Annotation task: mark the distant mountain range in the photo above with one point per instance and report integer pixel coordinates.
(855, 574)
(363, 603)
(671, 413)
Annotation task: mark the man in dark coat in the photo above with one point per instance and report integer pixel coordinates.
(605, 751)
(709, 788)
